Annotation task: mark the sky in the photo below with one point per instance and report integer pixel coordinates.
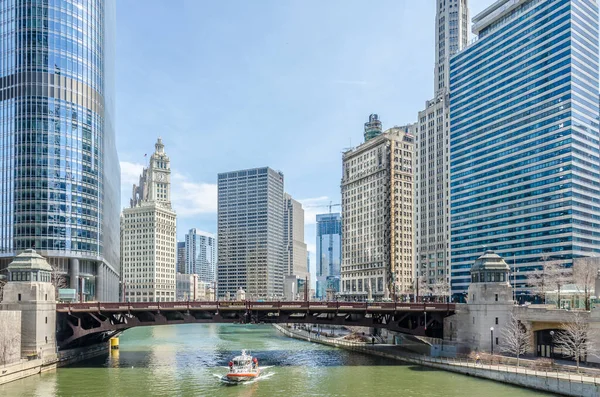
(287, 84)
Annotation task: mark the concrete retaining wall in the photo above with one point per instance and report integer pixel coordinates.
(558, 383)
(24, 369)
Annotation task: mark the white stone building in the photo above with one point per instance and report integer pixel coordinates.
(480, 323)
(187, 288)
(293, 238)
(377, 214)
(30, 292)
(432, 151)
(148, 235)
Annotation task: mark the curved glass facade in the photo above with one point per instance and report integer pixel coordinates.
(58, 163)
(525, 148)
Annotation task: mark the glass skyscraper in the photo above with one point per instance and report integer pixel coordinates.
(329, 253)
(525, 148)
(201, 255)
(59, 171)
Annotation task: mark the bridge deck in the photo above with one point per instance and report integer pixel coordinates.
(91, 307)
(81, 324)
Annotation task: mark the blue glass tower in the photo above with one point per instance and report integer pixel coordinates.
(525, 148)
(329, 253)
(59, 171)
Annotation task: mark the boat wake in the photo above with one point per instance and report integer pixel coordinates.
(262, 376)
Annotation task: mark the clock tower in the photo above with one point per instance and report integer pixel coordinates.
(159, 176)
(148, 235)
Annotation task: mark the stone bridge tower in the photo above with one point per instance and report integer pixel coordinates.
(30, 290)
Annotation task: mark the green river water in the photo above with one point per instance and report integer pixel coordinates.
(186, 360)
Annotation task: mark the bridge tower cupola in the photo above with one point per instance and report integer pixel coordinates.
(29, 289)
(490, 277)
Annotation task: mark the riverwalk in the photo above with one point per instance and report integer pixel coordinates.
(564, 383)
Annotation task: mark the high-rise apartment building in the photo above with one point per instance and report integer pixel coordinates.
(201, 255)
(377, 215)
(181, 257)
(451, 35)
(148, 235)
(59, 170)
(525, 150)
(250, 233)
(293, 238)
(329, 253)
(432, 153)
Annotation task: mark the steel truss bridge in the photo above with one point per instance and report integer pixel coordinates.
(85, 324)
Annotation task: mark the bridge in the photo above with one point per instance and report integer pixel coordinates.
(85, 324)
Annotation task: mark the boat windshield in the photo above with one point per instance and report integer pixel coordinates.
(241, 362)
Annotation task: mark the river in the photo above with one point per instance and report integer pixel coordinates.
(185, 360)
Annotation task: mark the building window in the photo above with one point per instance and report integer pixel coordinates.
(496, 320)
(19, 297)
(46, 320)
(496, 340)
(496, 297)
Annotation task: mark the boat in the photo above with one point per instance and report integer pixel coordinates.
(243, 368)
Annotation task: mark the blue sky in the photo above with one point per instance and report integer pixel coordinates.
(283, 83)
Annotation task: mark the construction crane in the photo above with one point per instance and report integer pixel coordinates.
(324, 206)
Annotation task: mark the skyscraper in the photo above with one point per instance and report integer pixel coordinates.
(148, 235)
(181, 257)
(432, 157)
(293, 238)
(329, 253)
(377, 216)
(250, 233)
(59, 168)
(525, 150)
(201, 255)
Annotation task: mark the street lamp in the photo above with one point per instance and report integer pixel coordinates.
(551, 344)
(492, 339)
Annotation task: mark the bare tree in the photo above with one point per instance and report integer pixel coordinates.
(516, 338)
(2, 284)
(576, 340)
(441, 290)
(9, 343)
(585, 272)
(552, 276)
(422, 287)
(58, 279)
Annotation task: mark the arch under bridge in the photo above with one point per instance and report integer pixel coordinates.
(85, 324)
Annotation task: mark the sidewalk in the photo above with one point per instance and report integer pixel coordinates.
(551, 381)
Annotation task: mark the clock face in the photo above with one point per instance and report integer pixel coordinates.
(160, 177)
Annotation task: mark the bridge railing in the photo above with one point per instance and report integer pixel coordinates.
(249, 305)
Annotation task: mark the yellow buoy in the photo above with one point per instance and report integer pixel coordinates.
(114, 343)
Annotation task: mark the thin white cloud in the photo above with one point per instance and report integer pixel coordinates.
(130, 173)
(193, 198)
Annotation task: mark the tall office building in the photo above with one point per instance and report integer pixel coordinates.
(181, 257)
(59, 170)
(377, 215)
(201, 255)
(432, 157)
(293, 238)
(148, 235)
(329, 253)
(250, 233)
(525, 150)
